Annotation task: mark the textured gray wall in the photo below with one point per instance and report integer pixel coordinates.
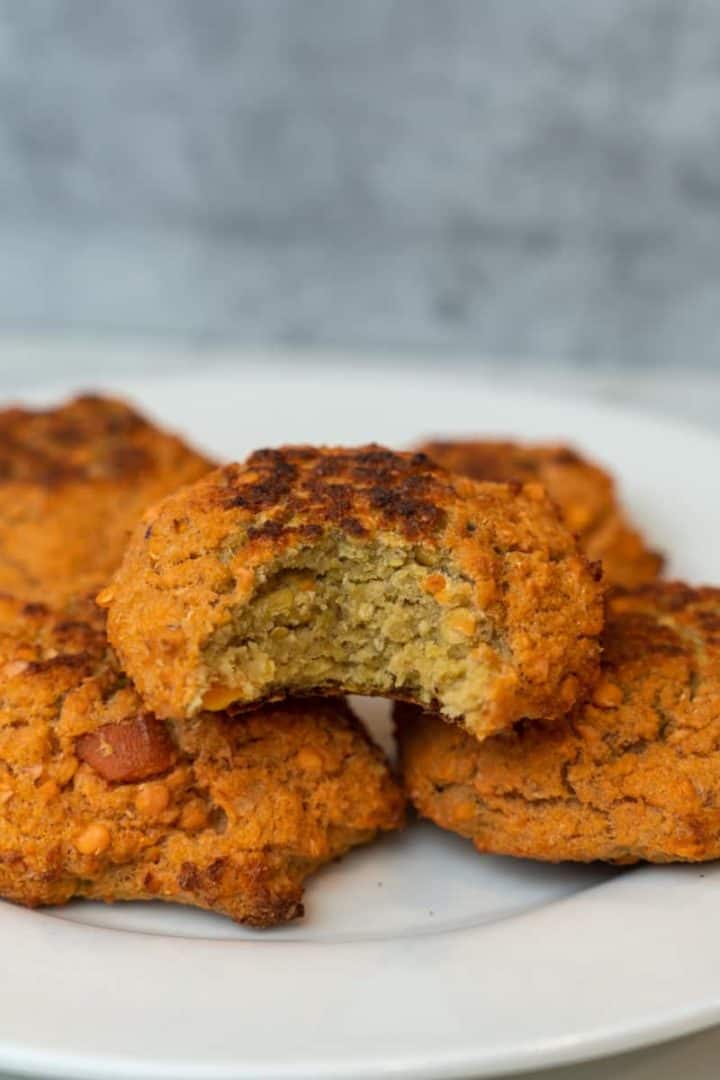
(518, 178)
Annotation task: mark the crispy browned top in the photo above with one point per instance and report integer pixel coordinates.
(302, 491)
(73, 482)
(633, 774)
(355, 490)
(584, 492)
(200, 554)
(99, 798)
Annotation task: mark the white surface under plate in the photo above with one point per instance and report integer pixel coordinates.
(417, 958)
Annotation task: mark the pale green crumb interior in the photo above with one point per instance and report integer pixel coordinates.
(356, 617)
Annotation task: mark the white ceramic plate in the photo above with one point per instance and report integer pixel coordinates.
(417, 957)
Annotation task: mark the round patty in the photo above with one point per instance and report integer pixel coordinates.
(74, 480)
(585, 493)
(100, 799)
(315, 570)
(633, 774)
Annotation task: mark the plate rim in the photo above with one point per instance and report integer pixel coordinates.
(555, 1049)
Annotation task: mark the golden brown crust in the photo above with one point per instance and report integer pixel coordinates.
(584, 492)
(634, 774)
(203, 554)
(99, 799)
(74, 480)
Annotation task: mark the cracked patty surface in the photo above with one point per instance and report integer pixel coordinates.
(100, 799)
(585, 493)
(327, 570)
(632, 775)
(74, 480)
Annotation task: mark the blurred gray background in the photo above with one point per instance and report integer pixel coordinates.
(515, 179)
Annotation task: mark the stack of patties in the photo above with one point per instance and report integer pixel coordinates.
(200, 749)
(329, 571)
(633, 772)
(99, 797)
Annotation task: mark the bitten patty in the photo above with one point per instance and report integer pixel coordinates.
(316, 570)
(633, 774)
(74, 480)
(585, 493)
(100, 799)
